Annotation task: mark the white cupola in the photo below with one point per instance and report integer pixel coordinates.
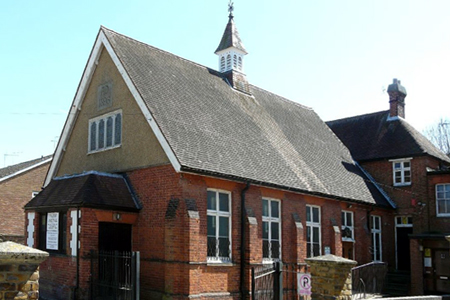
(231, 50)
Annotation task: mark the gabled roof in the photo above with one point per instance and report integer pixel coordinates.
(91, 189)
(373, 136)
(231, 38)
(17, 169)
(207, 127)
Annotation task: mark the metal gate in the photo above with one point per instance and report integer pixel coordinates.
(266, 282)
(276, 281)
(114, 275)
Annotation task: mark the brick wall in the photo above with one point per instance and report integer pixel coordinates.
(14, 194)
(176, 246)
(406, 196)
(439, 224)
(171, 234)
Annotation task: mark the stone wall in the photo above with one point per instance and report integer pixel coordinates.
(331, 277)
(19, 275)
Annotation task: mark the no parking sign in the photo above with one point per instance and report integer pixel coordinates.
(304, 283)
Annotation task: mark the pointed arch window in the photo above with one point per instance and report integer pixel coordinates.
(105, 132)
(235, 61)
(240, 63)
(228, 61)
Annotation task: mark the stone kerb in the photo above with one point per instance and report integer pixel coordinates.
(331, 277)
(19, 278)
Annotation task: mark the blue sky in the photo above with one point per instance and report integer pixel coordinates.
(337, 57)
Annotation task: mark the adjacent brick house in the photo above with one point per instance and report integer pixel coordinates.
(413, 172)
(18, 184)
(203, 173)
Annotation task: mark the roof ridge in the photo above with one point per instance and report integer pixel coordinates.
(159, 49)
(357, 116)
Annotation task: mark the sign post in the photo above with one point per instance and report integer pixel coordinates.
(304, 284)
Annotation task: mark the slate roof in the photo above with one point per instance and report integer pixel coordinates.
(373, 136)
(231, 38)
(18, 168)
(263, 139)
(91, 189)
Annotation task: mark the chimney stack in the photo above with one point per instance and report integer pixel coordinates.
(397, 94)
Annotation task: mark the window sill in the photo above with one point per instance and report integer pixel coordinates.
(219, 264)
(402, 184)
(443, 215)
(104, 149)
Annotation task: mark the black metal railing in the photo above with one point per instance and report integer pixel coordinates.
(114, 275)
(368, 280)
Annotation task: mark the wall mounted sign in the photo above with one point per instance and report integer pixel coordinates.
(52, 230)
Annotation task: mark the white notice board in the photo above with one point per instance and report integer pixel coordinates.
(52, 230)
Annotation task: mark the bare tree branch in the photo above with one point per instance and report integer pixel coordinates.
(439, 135)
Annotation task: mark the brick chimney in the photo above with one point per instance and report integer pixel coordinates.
(397, 94)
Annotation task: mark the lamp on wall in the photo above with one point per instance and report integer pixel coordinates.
(117, 216)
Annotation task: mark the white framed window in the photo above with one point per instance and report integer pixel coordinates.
(401, 171)
(313, 231)
(347, 226)
(375, 229)
(443, 200)
(218, 226)
(271, 229)
(105, 132)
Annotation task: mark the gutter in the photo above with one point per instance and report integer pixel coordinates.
(392, 203)
(243, 238)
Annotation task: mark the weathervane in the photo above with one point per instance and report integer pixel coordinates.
(231, 8)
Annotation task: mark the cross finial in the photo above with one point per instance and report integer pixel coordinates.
(231, 8)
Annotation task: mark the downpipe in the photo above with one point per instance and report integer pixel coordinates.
(243, 239)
